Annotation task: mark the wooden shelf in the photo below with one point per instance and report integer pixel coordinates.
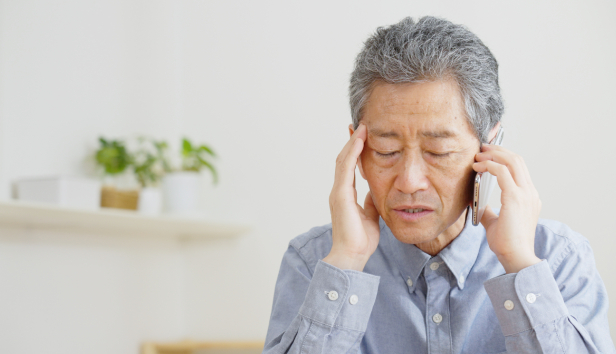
(111, 221)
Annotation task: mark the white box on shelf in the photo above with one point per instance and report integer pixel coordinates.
(65, 191)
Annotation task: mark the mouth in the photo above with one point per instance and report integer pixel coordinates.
(413, 213)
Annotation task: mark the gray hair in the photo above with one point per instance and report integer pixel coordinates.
(426, 50)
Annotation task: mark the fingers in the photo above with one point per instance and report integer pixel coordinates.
(347, 159)
(369, 208)
(354, 189)
(489, 217)
(502, 173)
(515, 163)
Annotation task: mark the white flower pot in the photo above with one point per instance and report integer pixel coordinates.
(150, 201)
(181, 192)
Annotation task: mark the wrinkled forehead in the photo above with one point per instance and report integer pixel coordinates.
(429, 110)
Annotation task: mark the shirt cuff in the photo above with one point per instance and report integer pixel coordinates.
(526, 299)
(342, 298)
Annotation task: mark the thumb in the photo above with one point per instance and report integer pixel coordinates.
(369, 208)
(489, 217)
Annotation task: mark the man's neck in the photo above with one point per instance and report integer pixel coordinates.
(434, 246)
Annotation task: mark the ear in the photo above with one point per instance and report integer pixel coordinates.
(493, 132)
(361, 169)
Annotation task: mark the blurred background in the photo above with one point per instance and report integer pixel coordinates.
(264, 83)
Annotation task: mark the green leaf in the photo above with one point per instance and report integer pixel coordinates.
(112, 156)
(160, 145)
(207, 149)
(210, 167)
(186, 147)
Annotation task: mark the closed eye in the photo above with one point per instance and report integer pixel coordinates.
(386, 154)
(439, 155)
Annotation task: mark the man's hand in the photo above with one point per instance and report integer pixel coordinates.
(355, 230)
(511, 234)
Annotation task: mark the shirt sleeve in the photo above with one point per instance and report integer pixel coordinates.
(561, 312)
(323, 312)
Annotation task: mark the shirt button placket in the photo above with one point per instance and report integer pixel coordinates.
(437, 277)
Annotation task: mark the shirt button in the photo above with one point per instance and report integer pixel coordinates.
(409, 282)
(434, 266)
(509, 305)
(437, 318)
(353, 299)
(531, 298)
(461, 279)
(332, 295)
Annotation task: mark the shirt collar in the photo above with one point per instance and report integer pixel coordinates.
(459, 255)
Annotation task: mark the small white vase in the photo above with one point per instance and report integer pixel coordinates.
(150, 201)
(181, 192)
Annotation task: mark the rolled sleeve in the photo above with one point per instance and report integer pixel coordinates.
(535, 296)
(351, 308)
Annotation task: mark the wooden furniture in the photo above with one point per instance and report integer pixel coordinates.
(111, 222)
(193, 347)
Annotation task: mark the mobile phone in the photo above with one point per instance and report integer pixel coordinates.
(484, 184)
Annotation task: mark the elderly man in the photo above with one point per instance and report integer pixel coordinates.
(408, 272)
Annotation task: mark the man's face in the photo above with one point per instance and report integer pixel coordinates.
(418, 155)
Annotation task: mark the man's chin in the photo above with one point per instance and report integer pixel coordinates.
(412, 232)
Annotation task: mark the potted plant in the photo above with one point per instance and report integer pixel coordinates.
(149, 165)
(181, 188)
(114, 159)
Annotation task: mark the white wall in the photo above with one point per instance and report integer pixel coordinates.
(69, 72)
(265, 84)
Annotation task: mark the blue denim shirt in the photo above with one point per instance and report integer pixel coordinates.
(459, 301)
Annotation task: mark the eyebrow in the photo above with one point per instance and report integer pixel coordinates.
(383, 133)
(438, 134)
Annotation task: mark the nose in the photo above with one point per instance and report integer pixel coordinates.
(411, 175)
